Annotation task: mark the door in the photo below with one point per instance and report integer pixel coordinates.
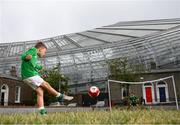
(148, 94)
(162, 94)
(2, 98)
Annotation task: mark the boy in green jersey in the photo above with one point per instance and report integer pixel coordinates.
(30, 75)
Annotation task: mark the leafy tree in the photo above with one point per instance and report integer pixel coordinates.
(120, 69)
(58, 81)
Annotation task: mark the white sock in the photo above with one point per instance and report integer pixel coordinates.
(58, 94)
(40, 108)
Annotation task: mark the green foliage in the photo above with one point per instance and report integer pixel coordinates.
(56, 80)
(121, 69)
(133, 100)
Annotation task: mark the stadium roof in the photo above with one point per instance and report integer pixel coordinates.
(83, 56)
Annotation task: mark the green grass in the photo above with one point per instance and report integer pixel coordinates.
(96, 117)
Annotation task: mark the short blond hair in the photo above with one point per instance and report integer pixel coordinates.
(40, 44)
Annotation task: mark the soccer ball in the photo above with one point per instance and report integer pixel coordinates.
(93, 91)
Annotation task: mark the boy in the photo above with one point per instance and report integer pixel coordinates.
(30, 75)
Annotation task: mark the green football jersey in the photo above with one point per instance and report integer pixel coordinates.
(30, 68)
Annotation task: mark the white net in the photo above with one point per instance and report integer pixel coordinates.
(156, 93)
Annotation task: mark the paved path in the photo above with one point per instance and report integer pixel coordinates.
(49, 109)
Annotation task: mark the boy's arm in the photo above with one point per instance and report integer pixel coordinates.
(27, 55)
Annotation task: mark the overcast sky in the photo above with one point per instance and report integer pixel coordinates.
(23, 20)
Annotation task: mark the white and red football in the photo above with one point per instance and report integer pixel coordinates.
(93, 91)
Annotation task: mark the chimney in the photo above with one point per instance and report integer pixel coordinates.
(13, 71)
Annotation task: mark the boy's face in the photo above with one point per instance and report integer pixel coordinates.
(41, 52)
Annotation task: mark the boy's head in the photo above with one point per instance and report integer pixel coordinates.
(41, 49)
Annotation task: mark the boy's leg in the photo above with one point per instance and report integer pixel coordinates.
(48, 87)
(52, 91)
(40, 100)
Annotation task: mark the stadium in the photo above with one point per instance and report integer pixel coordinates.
(83, 57)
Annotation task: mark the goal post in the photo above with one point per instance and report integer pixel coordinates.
(161, 91)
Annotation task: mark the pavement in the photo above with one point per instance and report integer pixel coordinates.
(10, 110)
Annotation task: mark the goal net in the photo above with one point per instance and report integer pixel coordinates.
(159, 93)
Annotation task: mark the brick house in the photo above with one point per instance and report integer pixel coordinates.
(14, 92)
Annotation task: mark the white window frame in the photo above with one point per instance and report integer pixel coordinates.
(6, 92)
(17, 100)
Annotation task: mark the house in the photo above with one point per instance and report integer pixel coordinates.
(158, 92)
(14, 92)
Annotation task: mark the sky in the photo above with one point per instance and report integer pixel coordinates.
(24, 20)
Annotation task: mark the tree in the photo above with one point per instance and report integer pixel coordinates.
(120, 69)
(58, 81)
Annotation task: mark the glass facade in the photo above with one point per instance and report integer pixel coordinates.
(83, 56)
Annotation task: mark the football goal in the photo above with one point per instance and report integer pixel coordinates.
(159, 93)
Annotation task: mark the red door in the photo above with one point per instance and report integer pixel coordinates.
(148, 94)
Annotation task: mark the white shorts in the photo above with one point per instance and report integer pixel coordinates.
(34, 82)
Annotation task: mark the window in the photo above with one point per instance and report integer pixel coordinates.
(147, 84)
(17, 94)
(161, 83)
(3, 87)
(124, 92)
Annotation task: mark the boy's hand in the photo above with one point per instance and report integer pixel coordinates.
(42, 70)
(43, 73)
(28, 57)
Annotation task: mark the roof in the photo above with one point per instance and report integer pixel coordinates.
(9, 77)
(83, 55)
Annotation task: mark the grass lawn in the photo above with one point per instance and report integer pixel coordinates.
(117, 116)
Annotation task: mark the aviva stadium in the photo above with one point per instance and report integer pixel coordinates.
(83, 56)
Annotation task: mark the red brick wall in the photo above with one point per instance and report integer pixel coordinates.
(26, 92)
